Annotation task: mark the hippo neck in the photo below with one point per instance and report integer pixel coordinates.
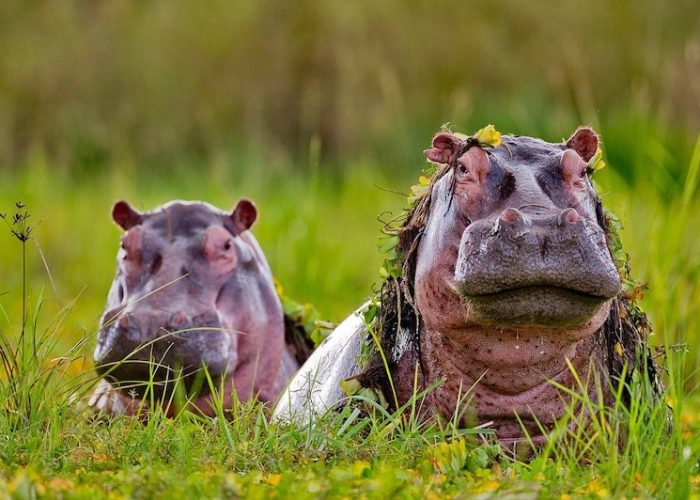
(494, 373)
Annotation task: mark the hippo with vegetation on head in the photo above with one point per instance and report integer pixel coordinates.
(193, 292)
(502, 281)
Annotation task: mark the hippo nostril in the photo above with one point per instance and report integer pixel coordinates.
(184, 271)
(569, 216)
(510, 215)
(123, 322)
(179, 319)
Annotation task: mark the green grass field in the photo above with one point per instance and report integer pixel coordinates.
(319, 231)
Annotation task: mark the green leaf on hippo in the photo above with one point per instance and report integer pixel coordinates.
(387, 242)
(350, 386)
(596, 163)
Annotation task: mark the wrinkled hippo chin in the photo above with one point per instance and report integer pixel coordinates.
(193, 294)
(512, 280)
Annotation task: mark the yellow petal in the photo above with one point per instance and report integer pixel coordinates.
(488, 136)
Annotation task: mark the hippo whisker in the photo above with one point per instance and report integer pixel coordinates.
(160, 288)
(205, 329)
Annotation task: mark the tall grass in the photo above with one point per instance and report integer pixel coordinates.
(34, 385)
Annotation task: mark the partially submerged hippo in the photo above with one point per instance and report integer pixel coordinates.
(193, 290)
(505, 275)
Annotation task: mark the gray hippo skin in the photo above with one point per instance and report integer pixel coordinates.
(511, 278)
(193, 289)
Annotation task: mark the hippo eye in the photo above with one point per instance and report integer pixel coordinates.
(462, 169)
(228, 244)
(127, 253)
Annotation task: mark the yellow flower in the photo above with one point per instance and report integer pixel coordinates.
(359, 467)
(489, 485)
(273, 479)
(596, 488)
(488, 136)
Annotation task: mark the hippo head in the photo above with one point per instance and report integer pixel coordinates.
(191, 283)
(517, 233)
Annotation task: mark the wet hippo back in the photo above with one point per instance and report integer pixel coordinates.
(193, 291)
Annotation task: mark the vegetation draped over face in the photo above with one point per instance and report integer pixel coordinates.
(392, 311)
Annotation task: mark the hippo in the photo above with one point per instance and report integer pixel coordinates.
(192, 291)
(507, 286)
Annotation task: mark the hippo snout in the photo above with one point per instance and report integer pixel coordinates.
(536, 269)
(136, 347)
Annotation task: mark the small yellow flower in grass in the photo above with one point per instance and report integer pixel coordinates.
(488, 136)
(487, 486)
(272, 479)
(359, 467)
(596, 488)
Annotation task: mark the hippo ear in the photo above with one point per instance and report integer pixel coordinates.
(125, 216)
(584, 141)
(243, 215)
(445, 147)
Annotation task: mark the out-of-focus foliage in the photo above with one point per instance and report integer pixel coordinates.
(90, 83)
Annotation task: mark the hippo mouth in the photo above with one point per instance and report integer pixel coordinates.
(170, 360)
(146, 378)
(543, 305)
(535, 271)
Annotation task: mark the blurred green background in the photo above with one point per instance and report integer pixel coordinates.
(319, 112)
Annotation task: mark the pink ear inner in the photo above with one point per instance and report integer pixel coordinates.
(244, 215)
(584, 141)
(125, 216)
(445, 147)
